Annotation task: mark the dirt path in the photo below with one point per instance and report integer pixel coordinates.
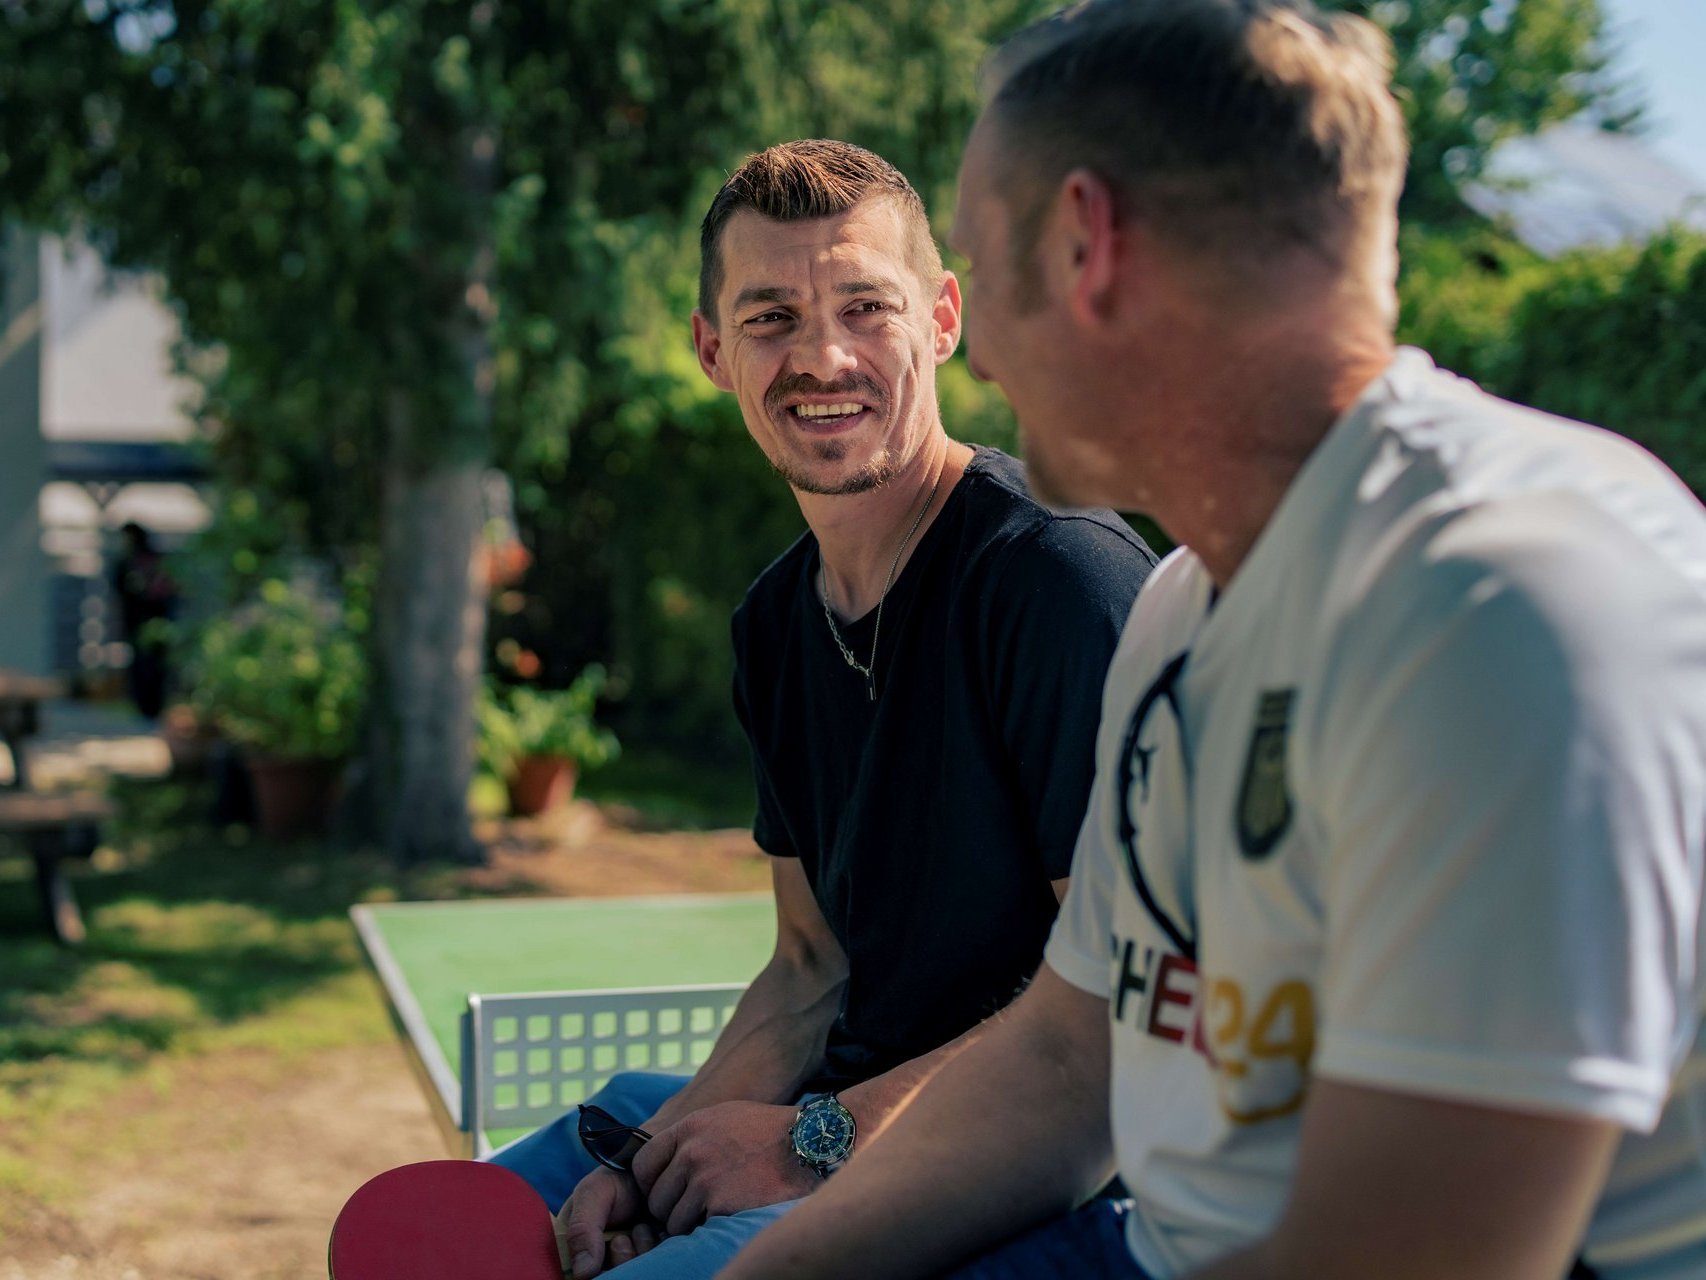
(247, 1160)
(248, 1178)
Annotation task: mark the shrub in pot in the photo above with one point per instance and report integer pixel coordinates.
(538, 740)
(284, 677)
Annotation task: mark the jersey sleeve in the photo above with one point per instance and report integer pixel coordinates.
(1058, 608)
(1511, 792)
(1079, 946)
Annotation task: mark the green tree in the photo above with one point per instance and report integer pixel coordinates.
(1472, 73)
(1613, 336)
(338, 194)
(409, 238)
(405, 237)
(1618, 337)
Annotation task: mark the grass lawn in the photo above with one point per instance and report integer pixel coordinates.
(198, 941)
(208, 945)
(673, 792)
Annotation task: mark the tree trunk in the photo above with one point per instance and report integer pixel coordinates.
(432, 596)
(431, 627)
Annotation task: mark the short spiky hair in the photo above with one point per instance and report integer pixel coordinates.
(811, 178)
(1234, 124)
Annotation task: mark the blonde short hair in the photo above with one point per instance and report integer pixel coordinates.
(1232, 125)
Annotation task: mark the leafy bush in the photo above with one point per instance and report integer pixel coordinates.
(284, 674)
(1618, 338)
(517, 721)
(1459, 291)
(1615, 337)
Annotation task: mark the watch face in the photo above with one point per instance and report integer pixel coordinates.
(824, 1132)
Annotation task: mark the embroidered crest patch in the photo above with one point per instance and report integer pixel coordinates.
(1264, 801)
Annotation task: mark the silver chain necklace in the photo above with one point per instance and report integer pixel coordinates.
(869, 672)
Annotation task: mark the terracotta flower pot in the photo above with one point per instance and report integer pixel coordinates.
(540, 783)
(294, 796)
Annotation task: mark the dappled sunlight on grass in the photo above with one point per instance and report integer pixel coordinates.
(233, 930)
(207, 946)
(157, 972)
(104, 1004)
(195, 940)
(672, 792)
(217, 1048)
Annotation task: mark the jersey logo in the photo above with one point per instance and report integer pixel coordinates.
(1264, 801)
(1141, 756)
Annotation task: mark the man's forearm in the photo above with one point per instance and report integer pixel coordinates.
(773, 1043)
(1010, 1130)
(876, 1101)
(1408, 1187)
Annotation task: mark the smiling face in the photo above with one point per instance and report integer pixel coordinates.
(829, 339)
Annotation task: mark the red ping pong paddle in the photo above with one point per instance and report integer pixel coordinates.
(445, 1220)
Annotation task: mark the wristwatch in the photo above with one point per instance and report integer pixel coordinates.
(822, 1136)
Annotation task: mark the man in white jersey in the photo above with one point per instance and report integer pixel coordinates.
(1382, 957)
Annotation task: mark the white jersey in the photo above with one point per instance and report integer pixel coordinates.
(1419, 804)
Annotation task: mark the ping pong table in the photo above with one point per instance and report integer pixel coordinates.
(512, 1010)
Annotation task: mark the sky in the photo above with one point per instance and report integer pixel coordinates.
(1663, 48)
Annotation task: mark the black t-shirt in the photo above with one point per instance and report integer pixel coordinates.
(930, 822)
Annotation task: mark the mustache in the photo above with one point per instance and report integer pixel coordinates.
(855, 385)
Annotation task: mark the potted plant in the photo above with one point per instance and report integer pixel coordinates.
(284, 677)
(538, 740)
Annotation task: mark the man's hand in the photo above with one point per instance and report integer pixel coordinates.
(1027, 1104)
(604, 1201)
(720, 1160)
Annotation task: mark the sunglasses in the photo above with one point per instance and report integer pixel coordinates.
(610, 1142)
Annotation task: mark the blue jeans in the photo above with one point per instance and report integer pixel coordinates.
(1086, 1244)
(553, 1161)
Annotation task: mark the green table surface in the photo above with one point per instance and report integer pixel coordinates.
(445, 950)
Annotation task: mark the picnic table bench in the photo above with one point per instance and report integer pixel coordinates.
(21, 697)
(55, 828)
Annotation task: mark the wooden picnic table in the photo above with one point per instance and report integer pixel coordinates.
(21, 697)
(53, 827)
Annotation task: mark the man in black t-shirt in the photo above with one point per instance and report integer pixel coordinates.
(920, 679)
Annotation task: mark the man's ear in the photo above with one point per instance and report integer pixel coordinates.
(708, 344)
(946, 315)
(1087, 221)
